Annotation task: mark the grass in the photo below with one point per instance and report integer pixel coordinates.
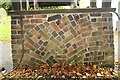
(119, 75)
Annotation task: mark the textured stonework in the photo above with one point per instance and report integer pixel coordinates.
(64, 37)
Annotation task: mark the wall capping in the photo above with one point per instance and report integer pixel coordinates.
(83, 10)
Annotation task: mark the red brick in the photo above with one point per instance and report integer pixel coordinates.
(85, 34)
(82, 20)
(14, 41)
(80, 42)
(83, 29)
(62, 25)
(36, 21)
(70, 49)
(85, 24)
(73, 31)
(53, 24)
(26, 21)
(29, 16)
(40, 16)
(28, 45)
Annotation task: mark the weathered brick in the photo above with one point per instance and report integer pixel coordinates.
(100, 58)
(43, 53)
(70, 17)
(54, 41)
(107, 24)
(27, 44)
(54, 26)
(29, 26)
(44, 35)
(29, 40)
(14, 51)
(37, 28)
(93, 48)
(70, 49)
(15, 60)
(29, 16)
(80, 42)
(14, 22)
(26, 21)
(17, 17)
(14, 41)
(17, 27)
(73, 23)
(64, 18)
(54, 61)
(17, 46)
(16, 36)
(13, 32)
(101, 19)
(89, 39)
(86, 34)
(36, 21)
(83, 15)
(59, 38)
(68, 45)
(97, 24)
(110, 19)
(86, 24)
(105, 37)
(108, 32)
(92, 44)
(46, 24)
(19, 41)
(80, 21)
(95, 14)
(40, 16)
(111, 36)
(73, 31)
(64, 24)
(54, 34)
(76, 17)
(110, 41)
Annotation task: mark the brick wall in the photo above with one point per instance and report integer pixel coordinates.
(55, 38)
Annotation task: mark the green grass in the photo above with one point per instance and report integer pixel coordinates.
(119, 75)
